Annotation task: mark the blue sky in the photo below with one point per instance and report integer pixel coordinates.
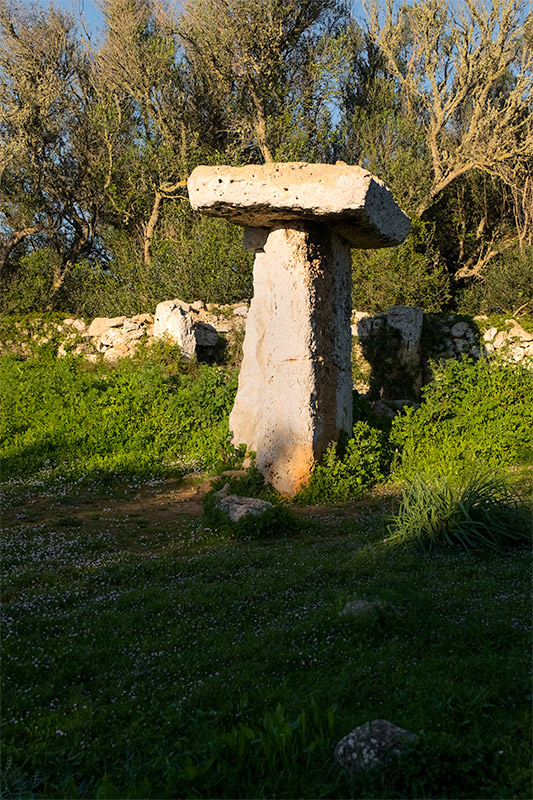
(85, 9)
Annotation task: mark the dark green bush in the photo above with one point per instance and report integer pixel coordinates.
(505, 286)
(344, 475)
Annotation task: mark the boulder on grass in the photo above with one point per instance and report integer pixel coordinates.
(238, 507)
(173, 322)
(370, 745)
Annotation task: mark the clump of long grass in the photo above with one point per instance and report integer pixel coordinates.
(476, 512)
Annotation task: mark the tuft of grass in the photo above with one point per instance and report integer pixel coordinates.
(479, 511)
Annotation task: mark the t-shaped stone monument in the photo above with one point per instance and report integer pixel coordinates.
(295, 384)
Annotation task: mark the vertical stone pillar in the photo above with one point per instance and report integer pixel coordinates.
(295, 387)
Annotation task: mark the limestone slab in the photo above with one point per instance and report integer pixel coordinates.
(348, 199)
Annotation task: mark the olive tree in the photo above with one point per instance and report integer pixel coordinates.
(464, 71)
(52, 164)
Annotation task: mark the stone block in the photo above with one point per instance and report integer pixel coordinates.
(171, 321)
(348, 199)
(370, 744)
(295, 387)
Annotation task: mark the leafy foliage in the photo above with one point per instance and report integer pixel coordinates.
(505, 286)
(98, 142)
(479, 511)
(348, 474)
(420, 275)
(68, 417)
(471, 413)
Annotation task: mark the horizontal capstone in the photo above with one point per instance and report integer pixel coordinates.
(348, 199)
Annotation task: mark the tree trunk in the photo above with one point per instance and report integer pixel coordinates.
(151, 226)
(260, 128)
(15, 239)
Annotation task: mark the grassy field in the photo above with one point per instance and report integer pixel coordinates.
(146, 655)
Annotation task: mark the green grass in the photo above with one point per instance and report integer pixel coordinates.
(67, 419)
(146, 654)
(155, 658)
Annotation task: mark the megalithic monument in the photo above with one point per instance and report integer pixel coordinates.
(301, 220)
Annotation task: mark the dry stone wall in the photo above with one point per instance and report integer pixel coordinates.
(392, 351)
(198, 328)
(419, 337)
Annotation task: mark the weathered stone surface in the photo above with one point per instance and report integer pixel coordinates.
(254, 239)
(348, 199)
(500, 340)
(237, 507)
(205, 334)
(459, 329)
(408, 321)
(370, 744)
(295, 387)
(518, 332)
(172, 321)
(78, 324)
(101, 324)
(489, 334)
(241, 311)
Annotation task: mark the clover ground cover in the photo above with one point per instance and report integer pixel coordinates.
(147, 656)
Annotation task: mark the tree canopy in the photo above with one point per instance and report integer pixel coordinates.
(97, 141)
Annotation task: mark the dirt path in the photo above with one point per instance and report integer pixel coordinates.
(158, 505)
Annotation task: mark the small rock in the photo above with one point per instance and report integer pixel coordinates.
(489, 334)
(460, 329)
(368, 745)
(356, 607)
(101, 324)
(143, 319)
(238, 507)
(518, 332)
(500, 340)
(130, 325)
(78, 324)
(382, 409)
(241, 311)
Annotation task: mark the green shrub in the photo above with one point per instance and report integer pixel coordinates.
(420, 277)
(346, 475)
(471, 413)
(479, 511)
(505, 286)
